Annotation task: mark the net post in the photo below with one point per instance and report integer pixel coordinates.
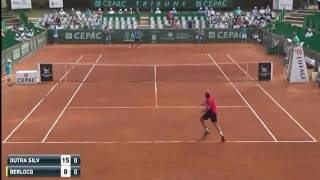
(39, 73)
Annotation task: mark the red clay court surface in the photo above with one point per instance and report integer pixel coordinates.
(138, 118)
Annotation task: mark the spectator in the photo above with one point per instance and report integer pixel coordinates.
(308, 33)
(255, 11)
(268, 11)
(62, 12)
(9, 71)
(158, 11)
(190, 24)
(243, 34)
(238, 11)
(137, 11)
(73, 13)
(262, 12)
(130, 11)
(107, 35)
(174, 11)
(99, 12)
(173, 23)
(55, 34)
(170, 16)
(295, 38)
(78, 13)
(120, 11)
(125, 11)
(111, 11)
(200, 10)
(200, 34)
(318, 1)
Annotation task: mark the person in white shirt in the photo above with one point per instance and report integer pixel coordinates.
(120, 11)
(309, 33)
(158, 11)
(111, 11)
(262, 11)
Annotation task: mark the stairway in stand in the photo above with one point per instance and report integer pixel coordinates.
(9, 18)
(297, 17)
(144, 22)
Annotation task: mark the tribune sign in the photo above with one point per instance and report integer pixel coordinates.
(27, 77)
(297, 70)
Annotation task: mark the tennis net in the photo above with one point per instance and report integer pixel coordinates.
(220, 72)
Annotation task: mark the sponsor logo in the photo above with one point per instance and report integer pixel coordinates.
(265, 71)
(46, 72)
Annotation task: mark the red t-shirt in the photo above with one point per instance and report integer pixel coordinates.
(212, 104)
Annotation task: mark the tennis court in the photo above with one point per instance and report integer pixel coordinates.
(133, 113)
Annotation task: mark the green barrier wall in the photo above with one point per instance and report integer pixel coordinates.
(152, 36)
(23, 49)
(163, 4)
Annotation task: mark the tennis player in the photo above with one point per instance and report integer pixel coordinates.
(210, 112)
(9, 71)
(136, 36)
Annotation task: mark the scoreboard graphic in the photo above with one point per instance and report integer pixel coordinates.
(43, 165)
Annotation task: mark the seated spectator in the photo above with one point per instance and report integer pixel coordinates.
(268, 11)
(170, 16)
(262, 12)
(211, 12)
(137, 11)
(238, 11)
(254, 11)
(62, 13)
(201, 10)
(125, 11)
(111, 11)
(99, 12)
(131, 11)
(173, 23)
(190, 24)
(308, 33)
(120, 11)
(78, 13)
(158, 11)
(73, 12)
(174, 11)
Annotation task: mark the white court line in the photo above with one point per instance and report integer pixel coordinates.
(73, 95)
(246, 73)
(155, 86)
(152, 65)
(283, 109)
(236, 89)
(148, 107)
(34, 108)
(287, 113)
(151, 142)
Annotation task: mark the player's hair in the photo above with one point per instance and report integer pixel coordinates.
(207, 94)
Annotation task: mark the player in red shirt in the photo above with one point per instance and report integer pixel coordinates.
(210, 112)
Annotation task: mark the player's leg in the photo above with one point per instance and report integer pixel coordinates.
(215, 123)
(138, 43)
(9, 79)
(202, 119)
